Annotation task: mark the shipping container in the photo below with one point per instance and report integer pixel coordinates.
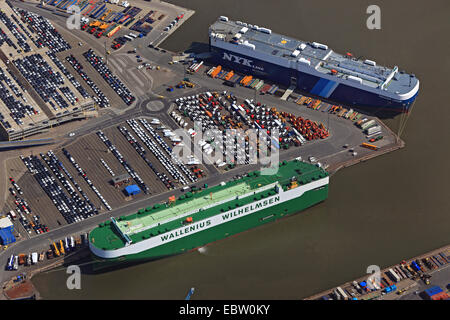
(368, 124)
(342, 293)
(394, 275)
(373, 130)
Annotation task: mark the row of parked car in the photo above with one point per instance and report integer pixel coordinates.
(46, 34)
(85, 177)
(44, 80)
(21, 25)
(48, 183)
(174, 22)
(111, 172)
(114, 82)
(174, 162)
(84, 206)
(123, 162)
(232, 145)
(60, 165)
(68, 75)
(101, 98)
(138, 130)
(18, 109)
(12, 27)
(24, 210)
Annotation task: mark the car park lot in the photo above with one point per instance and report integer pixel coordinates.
(231, 117)
(73, 183)
(35, 86)
(114, 82)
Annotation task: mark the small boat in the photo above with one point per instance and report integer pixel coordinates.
(190, 293)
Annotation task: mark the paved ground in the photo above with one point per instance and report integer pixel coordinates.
(149, 89)
(440, 277)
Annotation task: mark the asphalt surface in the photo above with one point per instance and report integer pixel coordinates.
(149, 89)
(439, 277)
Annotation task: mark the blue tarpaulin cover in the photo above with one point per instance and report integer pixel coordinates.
(132, 190)
(6, 236)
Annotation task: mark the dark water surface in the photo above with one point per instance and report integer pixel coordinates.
(378, 212)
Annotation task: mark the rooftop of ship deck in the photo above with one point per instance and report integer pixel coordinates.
(107, 237)
(282, 46)
(175, 210)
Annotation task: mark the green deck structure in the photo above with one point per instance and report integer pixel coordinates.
(209, 202)
(176, 210)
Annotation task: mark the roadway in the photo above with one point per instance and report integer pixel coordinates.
(331, 149)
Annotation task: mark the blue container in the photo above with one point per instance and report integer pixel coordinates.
(6, 236)
(433, 290)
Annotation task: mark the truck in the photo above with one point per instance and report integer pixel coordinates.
(368, 124)
(61, 246)
(10, 264)
(55, 249)
(34, 258)
(394, 276)
(22, 259)
(373, 130)
(12, 215)
(342, 293)
(415, 266)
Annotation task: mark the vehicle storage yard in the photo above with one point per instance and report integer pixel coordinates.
(407, 279)
(84, 170)
(33, 73)
(87, 175)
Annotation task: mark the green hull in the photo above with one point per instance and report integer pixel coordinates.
(219, 232)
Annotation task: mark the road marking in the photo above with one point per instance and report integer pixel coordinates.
(114, 62)
(123, 63)
(140, 82)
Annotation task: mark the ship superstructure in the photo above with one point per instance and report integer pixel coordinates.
(196, 219)
(310, 66)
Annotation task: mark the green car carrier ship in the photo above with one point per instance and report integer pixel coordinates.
(198, 218)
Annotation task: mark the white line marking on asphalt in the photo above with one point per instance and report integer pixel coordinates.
(114, 62)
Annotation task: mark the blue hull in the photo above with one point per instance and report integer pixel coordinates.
(313, 85)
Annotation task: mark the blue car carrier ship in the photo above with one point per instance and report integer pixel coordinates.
(311, 67)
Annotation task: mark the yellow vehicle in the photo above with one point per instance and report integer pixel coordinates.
(61, 244)
(105, 15)
(55, 249)
(95, 24)
(369, 146)
(103, 26)
(157, 68)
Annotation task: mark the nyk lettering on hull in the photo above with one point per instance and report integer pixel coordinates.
(240, 60)
(236, 59)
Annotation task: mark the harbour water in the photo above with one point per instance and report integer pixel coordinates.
(378, 212)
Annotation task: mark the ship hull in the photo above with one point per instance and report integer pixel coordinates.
(310, 84)
(216, 233)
